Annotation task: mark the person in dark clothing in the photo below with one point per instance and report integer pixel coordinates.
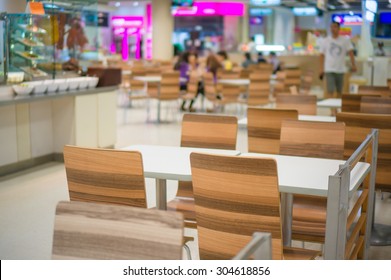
(261, 59)
(247, 60)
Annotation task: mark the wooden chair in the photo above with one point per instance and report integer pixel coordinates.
(377, 90)
(94, 231)
(358, 126)
(105, 176)
(264, 128)
(306, 82)
(304, 104)
(235, 197)
(259, 89)
(375, 105)
(352, 102)
(293, 78)
(202, 131)
(311, 139)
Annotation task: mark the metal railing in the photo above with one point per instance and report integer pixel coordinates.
(337, 245)
(260, 247)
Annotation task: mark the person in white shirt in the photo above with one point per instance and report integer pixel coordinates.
(332, 59)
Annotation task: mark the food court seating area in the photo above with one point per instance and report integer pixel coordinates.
(311, 169)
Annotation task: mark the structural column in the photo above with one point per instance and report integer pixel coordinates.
(162, 29)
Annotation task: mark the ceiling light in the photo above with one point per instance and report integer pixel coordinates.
(117, 4)
(135, 4)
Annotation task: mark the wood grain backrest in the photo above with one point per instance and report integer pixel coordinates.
(169, 86)
(259, 89)
(105, 176)
(206, 131)
(209, 131)
(304, 104)
(358, 126)
(377, 90)
(352, 102)
(312, 139)
(209, 86)
(234, 197)
(264, 128)
(293, 77)
(99, 231)
(375, 105)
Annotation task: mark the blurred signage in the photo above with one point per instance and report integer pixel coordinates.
(211, 9)
(256, 20)
(260, 12)
(345, 31)
(265, 2)
(347, 19)
(304, 11)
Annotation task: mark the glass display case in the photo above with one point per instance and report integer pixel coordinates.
(50, 45)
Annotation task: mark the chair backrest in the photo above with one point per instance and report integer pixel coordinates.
(377, 90)
(209, 131)
(264, 128)
(306, 82)
(352, 102)
(105, 176)
(206, 131)
(234, 197)
(97, 231)
(312, 139)
(169, 86)
(209, 86)
(259, 89)
(192, 85)
(358, 126)
(293, 78)
(225, 74)
(265, 67)
(304, 104)
(375, 105)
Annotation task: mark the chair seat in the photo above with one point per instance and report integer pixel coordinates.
(291, 253)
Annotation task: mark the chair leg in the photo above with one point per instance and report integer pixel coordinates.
(188, 253)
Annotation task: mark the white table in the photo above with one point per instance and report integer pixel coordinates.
(332, 103)
(243, 122)
(234, 82)
(169, 163)
(309, 176)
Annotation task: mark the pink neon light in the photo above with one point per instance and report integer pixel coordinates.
(148, 47)
(212, 8)
(131, 26)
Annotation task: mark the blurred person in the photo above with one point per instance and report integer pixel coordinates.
(273, 59)
(247, 60)
(223, 58)
(380, 49)
(332, 59)
(261, 58)
(213, 64)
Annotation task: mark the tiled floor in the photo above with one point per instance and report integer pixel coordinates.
(28, 199)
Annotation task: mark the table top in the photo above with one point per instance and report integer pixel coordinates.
(310, 176)
(243, 122)
(171, 163)
(154, 79)
(148, 79)
(235, 82)
(330, 103)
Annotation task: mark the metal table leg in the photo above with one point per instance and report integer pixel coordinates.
(286, 213)
(161, 194)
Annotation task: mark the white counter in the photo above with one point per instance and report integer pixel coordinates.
(34, 129)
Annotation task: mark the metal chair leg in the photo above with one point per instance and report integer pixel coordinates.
(188, 253)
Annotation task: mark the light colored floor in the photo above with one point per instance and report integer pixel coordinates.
(28, 198)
